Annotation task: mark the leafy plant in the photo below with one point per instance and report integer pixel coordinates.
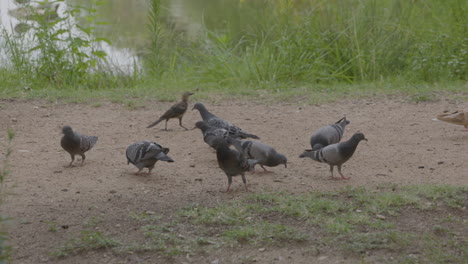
(4, 172)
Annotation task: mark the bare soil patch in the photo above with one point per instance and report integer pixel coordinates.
(405, 147)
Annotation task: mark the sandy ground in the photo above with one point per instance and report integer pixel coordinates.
(405, 147)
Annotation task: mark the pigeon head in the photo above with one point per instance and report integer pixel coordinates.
(199, 107)
(67, 130)
(306, 153)
(201, 125)
(358, 137)
(282, 160)
(186, 95)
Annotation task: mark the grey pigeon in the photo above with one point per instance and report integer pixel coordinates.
(328, 135)
(145, 154)
(232, 161)
(212, 135)
(217, 122)
(76, 144)
(176, 111)
(264, 154)
(336, 154)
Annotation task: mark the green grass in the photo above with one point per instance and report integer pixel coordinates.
(390, 222)
(88, 240)
(281, 50)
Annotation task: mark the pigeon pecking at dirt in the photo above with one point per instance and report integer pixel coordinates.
(264, 154)
(211, 135)
(176, 111)
(336, 154)
(232, 161)
(76, 144)
(145, 154)
(217, 122)
(328, 135)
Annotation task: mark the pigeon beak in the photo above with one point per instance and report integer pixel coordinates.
(365, 139)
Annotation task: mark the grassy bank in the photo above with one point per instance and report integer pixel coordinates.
(325, 50)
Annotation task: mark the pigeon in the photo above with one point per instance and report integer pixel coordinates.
(459, 117)
(217, 122)
(176, 111)
(145, 154)
(76, 144)
(210, 134)
(264, 154)
(336, 154)
(328, 135)
(232, 161)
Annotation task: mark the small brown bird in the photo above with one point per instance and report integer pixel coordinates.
(176, 111)
(459, 117)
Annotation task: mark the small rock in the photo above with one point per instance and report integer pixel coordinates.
(64, 226)
(112, 191)
(58, 171)
(440, 162)
(261, 249)
(358, 211)
(64, 190)
(420, 167)
(379, 216)
(198, 179)
(216, 261)
(117, 225)
(192, 165)
(322, 258)
(14, 120)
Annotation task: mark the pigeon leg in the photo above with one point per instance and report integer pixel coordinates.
(245, 182)
(342, 177)
(138, 172)
(180, 123)
(229, 183)
(166, 124)
(83, 157)
(264, 168)
(149, 170)
(71, 162)
(331, 170)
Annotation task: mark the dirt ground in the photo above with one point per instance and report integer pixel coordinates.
(405, 147)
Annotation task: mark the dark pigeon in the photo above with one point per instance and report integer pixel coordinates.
(210, 134)
(232, 161)
(216, 122)
(76, 144)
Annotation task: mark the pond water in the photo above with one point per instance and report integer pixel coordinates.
(127, 21)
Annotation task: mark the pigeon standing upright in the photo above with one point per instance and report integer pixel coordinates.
(76, 144)
(264, 154)
(328, 135)
(336, 154)
(176, 111)
(216, 122)
(232, 161)
(145, 154)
